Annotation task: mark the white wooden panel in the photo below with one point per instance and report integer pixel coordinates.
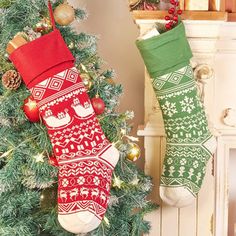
(153, 167)
(170, 221)
(221, 188)
(225, 87)
(205, 209)
(232, 194)
(225, 144)
(188, 221)
(170, 215)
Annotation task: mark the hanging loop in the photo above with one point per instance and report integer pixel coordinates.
(51, 15)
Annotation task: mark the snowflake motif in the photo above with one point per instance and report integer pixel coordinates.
(81, 180)
(183, 161)
(195, 164)
(169, 161)
(65, 182)
(187, 104)
(96, 180)
(169, 109)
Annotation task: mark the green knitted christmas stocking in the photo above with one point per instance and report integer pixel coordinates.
(189, 141)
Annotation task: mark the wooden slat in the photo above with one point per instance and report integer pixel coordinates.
(187, 220)
(233, 6)
(206, 199)
(181, 4)
(230, 5)
(212, 5)
(170, 215)
(153, 168)
(170, 221)
(193, 5)
(222, 5)
(232, 193)
(232, 17)
(187, 15)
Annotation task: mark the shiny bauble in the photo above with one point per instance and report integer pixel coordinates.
(64, 14)
(48, 198)
(98, 105)
(43, 26)
(31, 110)
(86, 80)
(134, 152)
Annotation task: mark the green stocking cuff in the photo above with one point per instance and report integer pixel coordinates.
(166, 52)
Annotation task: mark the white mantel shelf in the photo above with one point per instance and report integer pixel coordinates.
(213, 42)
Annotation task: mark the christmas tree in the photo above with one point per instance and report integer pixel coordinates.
(28, 171)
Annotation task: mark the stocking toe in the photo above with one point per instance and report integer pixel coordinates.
(80, 222)
(176, 196)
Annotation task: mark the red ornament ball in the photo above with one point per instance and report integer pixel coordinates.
(98, 105)
(31, 110)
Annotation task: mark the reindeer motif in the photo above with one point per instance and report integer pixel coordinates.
(63, 195)
(84, 192)
(62, 119)
(82, 110)
(95, 192)
(103, 197)
(74, 193)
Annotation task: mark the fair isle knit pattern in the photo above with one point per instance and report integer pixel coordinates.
(186, 129)
(86, 158)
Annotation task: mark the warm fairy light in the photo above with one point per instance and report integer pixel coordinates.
(123, 131)
(39, 158)
(117, 182)
(106, 220)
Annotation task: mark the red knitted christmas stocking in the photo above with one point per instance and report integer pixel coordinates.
(86, 158)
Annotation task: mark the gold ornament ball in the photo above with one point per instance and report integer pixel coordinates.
(134, 152)
(64, 14)
(86, 80)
